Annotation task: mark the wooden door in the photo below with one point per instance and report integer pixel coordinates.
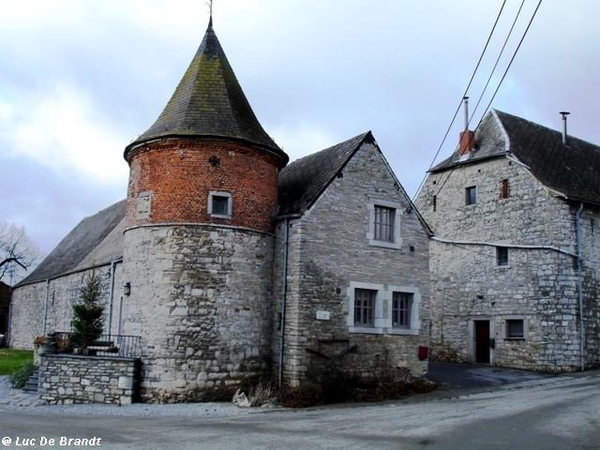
(482, 341)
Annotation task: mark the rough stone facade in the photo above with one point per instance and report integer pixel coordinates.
(329, 253)
(41, 308)
(201, 301)
(537, 285)
(70, 379)
(202, 249)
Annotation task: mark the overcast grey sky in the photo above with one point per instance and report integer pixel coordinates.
(81, 79)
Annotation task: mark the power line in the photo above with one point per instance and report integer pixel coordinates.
(513, 56)
(439, 189)
(497, 60)
(465, 93)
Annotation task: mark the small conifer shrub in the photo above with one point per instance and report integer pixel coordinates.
(87, 320)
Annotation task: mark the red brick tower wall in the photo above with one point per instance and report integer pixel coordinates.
(179, 173)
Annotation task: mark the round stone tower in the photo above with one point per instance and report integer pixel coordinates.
(198, 249)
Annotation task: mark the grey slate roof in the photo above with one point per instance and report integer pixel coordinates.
(209, 102)
(302, 182)
(94, 241)
(573, 171)
(97, 240)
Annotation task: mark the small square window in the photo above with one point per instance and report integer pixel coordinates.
(501, 256)
(384, 223)
(364, 307)
(515, 329)
(401, 309)
(219, 204)
(471, 195)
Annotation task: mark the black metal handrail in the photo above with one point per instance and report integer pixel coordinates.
(114, 345)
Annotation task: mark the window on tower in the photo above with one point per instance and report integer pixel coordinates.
(220, 205)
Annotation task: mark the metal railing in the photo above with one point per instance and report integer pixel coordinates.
(114, 345)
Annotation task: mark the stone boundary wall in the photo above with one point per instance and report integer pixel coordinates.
(71, 379)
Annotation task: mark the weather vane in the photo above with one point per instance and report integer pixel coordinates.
(209, 3)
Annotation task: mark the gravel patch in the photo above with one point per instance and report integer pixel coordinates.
(16, 399)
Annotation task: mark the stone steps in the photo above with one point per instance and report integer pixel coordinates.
(32, 382)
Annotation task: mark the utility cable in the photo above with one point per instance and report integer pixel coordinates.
(513, 56)
(497, 61)
(439, 189)
(463, 96)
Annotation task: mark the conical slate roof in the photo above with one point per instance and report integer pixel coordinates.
(209, 102)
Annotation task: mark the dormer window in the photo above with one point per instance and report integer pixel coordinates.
(220, 205)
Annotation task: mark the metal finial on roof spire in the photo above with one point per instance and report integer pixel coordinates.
(209, 3)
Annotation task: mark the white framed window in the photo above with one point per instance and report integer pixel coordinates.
(364, 307)
(220, 204)
(144, 204)
(383, 309)
(384, 224)
(402, 303)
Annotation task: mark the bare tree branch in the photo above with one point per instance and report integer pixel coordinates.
(15, 260)
(17, 253)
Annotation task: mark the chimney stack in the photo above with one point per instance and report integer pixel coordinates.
(466, 137)
(564, 115)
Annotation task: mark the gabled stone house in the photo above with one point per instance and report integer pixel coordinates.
(515, 258)
(351, 265)
(231, 266)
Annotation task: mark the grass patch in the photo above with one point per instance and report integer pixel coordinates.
(11, 360)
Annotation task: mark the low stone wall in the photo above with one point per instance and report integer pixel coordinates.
(69, 379)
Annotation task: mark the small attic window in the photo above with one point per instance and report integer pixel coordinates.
(220, 205)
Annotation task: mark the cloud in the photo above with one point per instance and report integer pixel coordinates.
(64, 131)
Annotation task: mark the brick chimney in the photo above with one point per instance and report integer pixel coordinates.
(465, 142)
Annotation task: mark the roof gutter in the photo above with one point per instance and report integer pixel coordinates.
(113, 265)
(64, 274)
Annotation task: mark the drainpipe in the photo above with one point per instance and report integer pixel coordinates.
(46, 305)
(113, 263)
(284, 299)
(580, 285)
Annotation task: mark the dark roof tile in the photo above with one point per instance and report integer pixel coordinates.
(82, 241)
(572, 170)
(303, 181)
(209, 102)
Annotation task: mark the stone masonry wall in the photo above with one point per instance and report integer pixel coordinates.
(538, 286)
(71, 379)
(30, 309)
(201, 301)
(328, 251)
(590, 231)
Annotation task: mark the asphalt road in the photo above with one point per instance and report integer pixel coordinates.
(555, 413)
